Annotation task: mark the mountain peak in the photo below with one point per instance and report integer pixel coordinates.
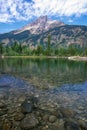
(42, 20)
(40, 25)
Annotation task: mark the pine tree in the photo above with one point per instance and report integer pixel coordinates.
(1, 48)
(49, 45)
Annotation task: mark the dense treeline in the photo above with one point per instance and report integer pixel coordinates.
(19, 49)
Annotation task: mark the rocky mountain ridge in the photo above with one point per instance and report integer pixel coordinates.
(37, 32)
(42, 24)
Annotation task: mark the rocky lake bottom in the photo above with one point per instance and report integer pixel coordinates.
(25, 107)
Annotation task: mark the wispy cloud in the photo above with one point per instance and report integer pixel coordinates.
(70, 21)
(17, 10)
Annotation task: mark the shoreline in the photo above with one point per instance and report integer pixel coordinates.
(74, 58)
(36, 57)
(77, 58)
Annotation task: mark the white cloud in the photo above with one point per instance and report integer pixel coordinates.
(17, 10)
(70, 21)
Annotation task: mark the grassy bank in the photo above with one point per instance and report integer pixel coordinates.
(74, 58)
(54, 57)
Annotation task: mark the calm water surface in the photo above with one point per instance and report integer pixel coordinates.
(60, 81)
(46, 73)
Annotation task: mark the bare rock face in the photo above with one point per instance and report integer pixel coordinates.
(41, 20)
(42, 24)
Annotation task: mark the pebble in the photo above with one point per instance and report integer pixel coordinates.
(2, 104)
(52, 119)
(18, 116)
(3, 112)
(46, 117)
(6, 125)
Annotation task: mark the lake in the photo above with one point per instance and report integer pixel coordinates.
(55, 82)
(46, 73)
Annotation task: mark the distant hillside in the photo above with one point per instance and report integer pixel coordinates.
(37, 32)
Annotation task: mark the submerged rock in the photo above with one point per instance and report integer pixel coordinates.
(60, 124)
(71, 125)
(18, 116)
(46, 117)
(52, 118)
(53, 127)
(82, 124)
(29, 122)
(3, 112)
(26, 107)
(6, 125)
(2, 104)
(3, 108)
(1, 123)
(67, 112)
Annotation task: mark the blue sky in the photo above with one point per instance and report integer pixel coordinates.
(16, 13)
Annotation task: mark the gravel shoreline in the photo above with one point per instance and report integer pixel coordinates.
(77, 58)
